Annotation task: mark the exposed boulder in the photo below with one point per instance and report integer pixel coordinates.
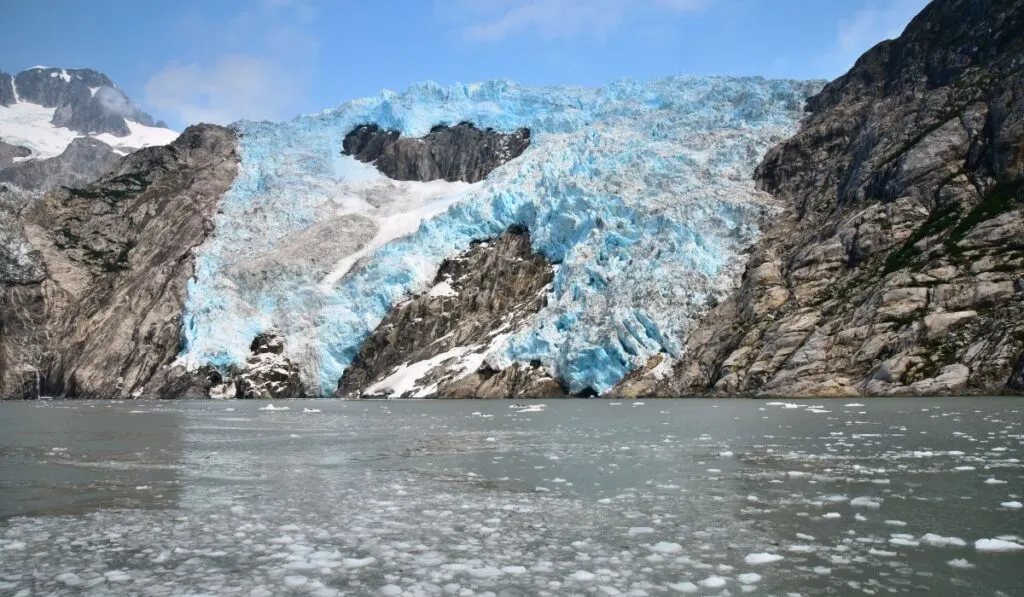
(436, 344)
(457, 153)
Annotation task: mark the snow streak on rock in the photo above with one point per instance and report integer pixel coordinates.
(641, 191)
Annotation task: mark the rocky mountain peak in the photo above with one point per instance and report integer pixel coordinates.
(85, 100)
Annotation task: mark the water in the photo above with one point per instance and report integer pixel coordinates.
(665, 497)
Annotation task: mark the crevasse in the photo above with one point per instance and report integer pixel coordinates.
(641, 191)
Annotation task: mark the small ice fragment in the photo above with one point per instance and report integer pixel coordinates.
(994, 481)
(749, 578)
(582, 576)
(1014, 505)
(866, 502)
(960, 563)
(996, 545)
(685, 587)
(666, 547)
(940, 541)
(757, 559)
(272, 407)
(311, 410)
(640, 530)
(832, 515)
(896, 523)
(822, 570)
(713, 582)
(391, 590)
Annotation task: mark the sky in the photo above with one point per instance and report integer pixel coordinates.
(188, 61)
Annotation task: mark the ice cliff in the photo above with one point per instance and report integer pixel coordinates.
(641, 193)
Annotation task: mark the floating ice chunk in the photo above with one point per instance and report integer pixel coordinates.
(665, 547)
(994, 481)
(684, 587)
(311, 410)
(391, 590)
(726, 454)
(760, 558)
(940, 541)
(882, 553)
(514, 569)
(904, 541)
(582, 576)
(117, 576)
(859, 517)
(640, 530)
(749, 578)
(272, 407)
(713, 582)
(822, 570)
(358, 562)
(853, 405)
(832, 515)
(866, 502)
(70, 579)
(486, 572)
(896, 523)
(996, 545)
(960, 563)
(1014, 505)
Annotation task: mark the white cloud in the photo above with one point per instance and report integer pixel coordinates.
(265, 55)
(494, 20)
(859, 32)
(231, 88)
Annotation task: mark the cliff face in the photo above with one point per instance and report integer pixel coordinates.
(459, 153)
(92, 293)
(898, 265)
(436, 344)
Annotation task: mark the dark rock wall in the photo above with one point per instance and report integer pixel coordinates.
(459, 153)
(106, 319)
(6, 89)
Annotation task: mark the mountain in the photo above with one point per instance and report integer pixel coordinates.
(897, 266)
(683, 236)
(44, 111)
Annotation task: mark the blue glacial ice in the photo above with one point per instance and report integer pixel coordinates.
(642, 192)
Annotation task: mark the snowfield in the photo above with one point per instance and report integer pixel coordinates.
(28, 125)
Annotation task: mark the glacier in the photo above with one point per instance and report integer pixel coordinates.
(640, 192)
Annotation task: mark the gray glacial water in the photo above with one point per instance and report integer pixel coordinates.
(593, 498)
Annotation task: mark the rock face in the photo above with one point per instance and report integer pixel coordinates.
(83, 161)
(435, 344)
(8, 152)
(94, 283)
(898, 267)
(459, 153)
(268, 373)
(7, 96)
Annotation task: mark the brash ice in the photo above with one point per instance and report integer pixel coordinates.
(641, 192)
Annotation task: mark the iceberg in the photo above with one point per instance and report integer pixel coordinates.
(640, 192)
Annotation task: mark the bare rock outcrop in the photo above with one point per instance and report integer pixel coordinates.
(898, 267)
(435, 344)
(457, 153)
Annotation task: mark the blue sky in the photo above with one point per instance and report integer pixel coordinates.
(221, 60)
